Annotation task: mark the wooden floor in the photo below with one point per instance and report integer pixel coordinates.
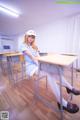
(19, 100)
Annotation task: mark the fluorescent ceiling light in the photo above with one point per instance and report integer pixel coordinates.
(68, 1)
(9, 11)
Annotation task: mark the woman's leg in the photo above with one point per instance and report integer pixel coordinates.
(72, 108)
(65, 83)
(55, 88)
(31, 69)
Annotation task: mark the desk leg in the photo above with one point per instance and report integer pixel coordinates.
(9, 68)
(76, 68)
(22, 70)
(60, 73)
(1, 65)
(72, 79)
(1, 70)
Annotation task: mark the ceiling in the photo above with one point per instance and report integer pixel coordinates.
(34, 13)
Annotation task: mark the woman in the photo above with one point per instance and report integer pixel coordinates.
(30, 52)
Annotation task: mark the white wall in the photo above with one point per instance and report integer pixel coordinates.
(20, 41)
(51, 37)
(61, 36)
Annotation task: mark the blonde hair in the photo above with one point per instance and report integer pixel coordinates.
(33, 44)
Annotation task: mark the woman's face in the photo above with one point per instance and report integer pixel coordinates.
(30, 39)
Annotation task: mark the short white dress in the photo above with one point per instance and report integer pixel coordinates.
(31, 66)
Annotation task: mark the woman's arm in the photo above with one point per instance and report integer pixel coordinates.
(29, 54)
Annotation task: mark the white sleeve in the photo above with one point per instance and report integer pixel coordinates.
(23, 48)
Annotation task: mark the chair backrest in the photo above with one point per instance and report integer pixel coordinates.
(21, 57)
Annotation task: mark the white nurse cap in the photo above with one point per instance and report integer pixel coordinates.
(31, 32)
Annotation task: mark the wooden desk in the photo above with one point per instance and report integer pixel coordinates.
(12, 57)
(58, 61)
(12, 54)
